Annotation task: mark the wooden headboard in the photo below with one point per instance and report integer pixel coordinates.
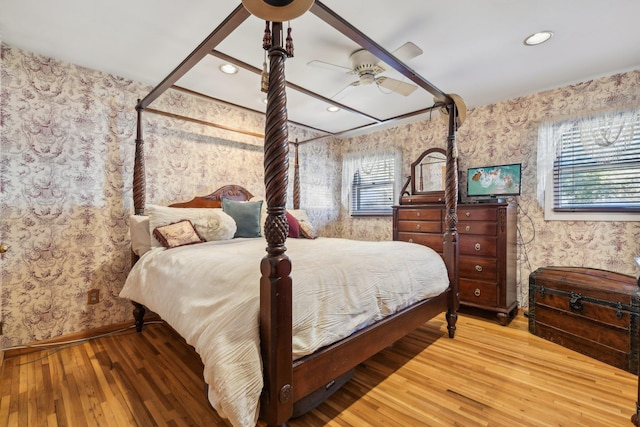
(214, 200)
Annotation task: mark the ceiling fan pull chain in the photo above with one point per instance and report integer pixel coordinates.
(289, 43)
(266, 39)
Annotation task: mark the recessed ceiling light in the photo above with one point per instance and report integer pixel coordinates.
(228, 69)
(333, 109)
(538, 38)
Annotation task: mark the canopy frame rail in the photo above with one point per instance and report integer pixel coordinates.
(203, 122)
(240, 14)
(233, 21)
(435, 106)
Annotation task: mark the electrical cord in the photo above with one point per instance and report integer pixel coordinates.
(522, 245)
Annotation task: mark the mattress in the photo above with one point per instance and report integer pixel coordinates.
(209, 293)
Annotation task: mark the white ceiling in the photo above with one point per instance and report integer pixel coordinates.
(471, 48)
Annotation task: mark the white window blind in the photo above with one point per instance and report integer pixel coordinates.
(597, 166)
(372, 182)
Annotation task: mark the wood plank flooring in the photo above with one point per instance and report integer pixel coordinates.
(489, 375)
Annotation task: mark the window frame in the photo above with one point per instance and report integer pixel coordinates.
(548, 173)
(354, 190)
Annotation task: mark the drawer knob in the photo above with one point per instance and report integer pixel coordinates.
(477, 292)
(477, 246)
(410, 240)
(417, 226)
(467, 213)
(478, 267)
(439, 199)
(467, 228)
(417, 213)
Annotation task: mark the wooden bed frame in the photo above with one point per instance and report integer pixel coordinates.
(285, 381)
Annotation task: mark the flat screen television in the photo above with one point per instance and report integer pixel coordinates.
(492, 183)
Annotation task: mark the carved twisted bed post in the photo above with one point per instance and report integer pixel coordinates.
(296, 179)
(275, 283)
(451, 251)
(139, 196)
(139, 200)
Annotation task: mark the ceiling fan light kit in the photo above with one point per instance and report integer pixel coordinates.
(367, 67)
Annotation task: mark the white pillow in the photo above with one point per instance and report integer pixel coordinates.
(220, 226)
(140, 235)
(211, 223)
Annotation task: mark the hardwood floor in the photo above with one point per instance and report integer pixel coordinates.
(489, 375)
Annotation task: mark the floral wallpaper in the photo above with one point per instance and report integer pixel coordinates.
(66, 168)
(66, 162)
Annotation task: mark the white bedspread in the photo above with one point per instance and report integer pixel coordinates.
(209, 293)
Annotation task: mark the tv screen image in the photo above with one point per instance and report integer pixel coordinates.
(494, 181)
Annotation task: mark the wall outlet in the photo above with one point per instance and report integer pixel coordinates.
(93, 296)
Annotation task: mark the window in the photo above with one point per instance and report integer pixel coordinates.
(592, 165)
(589, 175)
(371, 182)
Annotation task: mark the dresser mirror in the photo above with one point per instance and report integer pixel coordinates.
(427, 178)
(428, 172)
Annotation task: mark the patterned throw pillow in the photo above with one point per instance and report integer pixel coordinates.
(306, 228)
(177, 234)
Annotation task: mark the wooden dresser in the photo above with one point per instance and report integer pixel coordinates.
(487, 244)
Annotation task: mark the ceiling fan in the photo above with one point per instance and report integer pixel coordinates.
(367, 67)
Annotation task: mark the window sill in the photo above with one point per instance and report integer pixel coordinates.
(551, 215)
(369, 215)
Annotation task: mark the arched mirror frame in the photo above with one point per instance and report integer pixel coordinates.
(418, 175)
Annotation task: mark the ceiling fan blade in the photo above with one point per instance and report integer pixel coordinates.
(407, 51)
(404, 53)
(397, 86)
(328, 66)
(345, 91)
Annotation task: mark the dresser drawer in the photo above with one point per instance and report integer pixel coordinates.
(434, 241)
(489, 228)
(420, 226)
(477, 268)
(420, 214)
(477, 214)
(478, 293)
(478, 245)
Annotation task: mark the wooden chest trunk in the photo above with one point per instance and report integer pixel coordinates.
(594, 312)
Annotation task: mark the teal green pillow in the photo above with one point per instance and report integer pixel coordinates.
(246, 215)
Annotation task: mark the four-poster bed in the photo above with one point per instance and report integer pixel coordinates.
(287, 381)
